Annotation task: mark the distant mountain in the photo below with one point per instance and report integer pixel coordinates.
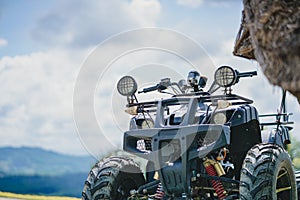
(37, 161)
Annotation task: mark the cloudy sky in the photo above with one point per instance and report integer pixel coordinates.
(44, 46)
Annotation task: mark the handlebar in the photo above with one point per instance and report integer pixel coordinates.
(165, 83)
(153, 88)
(247, 74)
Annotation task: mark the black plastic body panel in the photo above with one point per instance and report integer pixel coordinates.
(243, 114)
(244, 136)
(211, 137)
(215, 136)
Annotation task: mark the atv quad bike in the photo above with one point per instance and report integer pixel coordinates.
(198, 145)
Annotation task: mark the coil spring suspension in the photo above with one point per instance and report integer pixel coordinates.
(159, 192)
(212, 171)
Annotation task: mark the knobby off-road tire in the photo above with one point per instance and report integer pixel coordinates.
(297, 175)
(112, 178)
(267, 173)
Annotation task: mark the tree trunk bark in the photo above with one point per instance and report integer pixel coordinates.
(274, 32)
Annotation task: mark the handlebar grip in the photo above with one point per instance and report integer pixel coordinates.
(248, 74)
(153, 88)
(254, 73)
(149, 89)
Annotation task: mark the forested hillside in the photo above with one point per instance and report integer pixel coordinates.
(37, 171)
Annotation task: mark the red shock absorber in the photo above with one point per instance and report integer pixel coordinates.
(217, 185)
(159, 192)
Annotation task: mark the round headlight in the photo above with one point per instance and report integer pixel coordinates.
(225, 76)
(219, 118)
(193, 78)
(147, 123)
(127, 86)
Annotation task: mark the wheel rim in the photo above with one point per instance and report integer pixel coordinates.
(283, 185)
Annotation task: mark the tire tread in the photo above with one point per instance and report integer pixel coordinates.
(100, 181)
(258, 171)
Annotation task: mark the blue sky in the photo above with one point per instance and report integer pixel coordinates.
(44, 43)
(31, 26)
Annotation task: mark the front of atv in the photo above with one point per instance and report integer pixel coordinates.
(198, 145)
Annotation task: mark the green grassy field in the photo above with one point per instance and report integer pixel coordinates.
(34, 197)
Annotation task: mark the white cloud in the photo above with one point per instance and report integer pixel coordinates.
(88, 24)
(3, 42)
(190, 3)
(36, 101)
(198, 3)
(145, 12)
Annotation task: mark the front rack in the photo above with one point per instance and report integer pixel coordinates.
(185, 98)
